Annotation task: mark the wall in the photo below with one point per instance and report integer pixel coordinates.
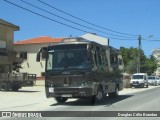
(6, 41)
(30, 65)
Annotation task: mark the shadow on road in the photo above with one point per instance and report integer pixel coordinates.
(28, 91)
(87, 102)
(21, 91)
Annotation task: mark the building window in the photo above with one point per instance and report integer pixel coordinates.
(43, 55)
(23, 55)
(3, 52)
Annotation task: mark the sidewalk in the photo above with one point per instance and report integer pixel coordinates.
(135, 90)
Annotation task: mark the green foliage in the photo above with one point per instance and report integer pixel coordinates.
(128, 54)
(131, 66)
(130, 59)
(150, 65)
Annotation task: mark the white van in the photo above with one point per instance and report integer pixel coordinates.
(139, 80)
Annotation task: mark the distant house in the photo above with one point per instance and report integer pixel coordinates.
(29, 49)
(156, 54)
(7, 54)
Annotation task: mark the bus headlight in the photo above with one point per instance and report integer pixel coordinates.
(49, 84)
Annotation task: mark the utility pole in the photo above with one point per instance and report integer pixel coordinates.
(139, 55)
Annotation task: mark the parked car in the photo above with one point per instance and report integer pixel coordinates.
(153, 80)
(158, 80)
(139, 80)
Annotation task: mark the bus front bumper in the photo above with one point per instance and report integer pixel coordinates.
(69, 92)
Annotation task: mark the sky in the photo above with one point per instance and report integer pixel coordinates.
(130, 17)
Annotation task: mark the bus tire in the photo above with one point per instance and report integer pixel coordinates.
(99, 97)
(114, 94)
(4, 86)
(60, 99)
(92, 100)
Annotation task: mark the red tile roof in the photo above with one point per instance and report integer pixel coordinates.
(44, 39)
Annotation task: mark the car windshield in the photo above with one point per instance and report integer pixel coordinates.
(137, 77)
(151, 78)
(67, 59)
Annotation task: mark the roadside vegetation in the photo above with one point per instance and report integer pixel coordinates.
(130, 59)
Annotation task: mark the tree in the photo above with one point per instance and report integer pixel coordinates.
(130, 59)
(150, 65)
(131, 66)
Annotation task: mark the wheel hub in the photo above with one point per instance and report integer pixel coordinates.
(99, 95)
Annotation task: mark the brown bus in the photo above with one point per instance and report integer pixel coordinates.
(78, 68)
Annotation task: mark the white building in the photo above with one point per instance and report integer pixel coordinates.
(7, 55)
(156, 54)
(29, 49)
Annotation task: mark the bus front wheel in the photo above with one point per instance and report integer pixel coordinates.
(99, 97)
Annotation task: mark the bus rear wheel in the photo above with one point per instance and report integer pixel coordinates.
(4, 86)
(61, 99)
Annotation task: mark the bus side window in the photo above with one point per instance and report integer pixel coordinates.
(104, 59)
(99, 58)
(95, 58)
(112, 58)
(120, 61)
(116, 58)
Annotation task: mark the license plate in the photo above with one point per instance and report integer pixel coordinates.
(51, 90)
(135, 84)
(67, 95)
(66, 85)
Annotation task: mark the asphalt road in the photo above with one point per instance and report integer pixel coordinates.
(142, 99)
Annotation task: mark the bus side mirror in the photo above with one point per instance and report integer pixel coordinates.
(43, 51)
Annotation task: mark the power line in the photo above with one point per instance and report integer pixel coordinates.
(44, 16)
(58, 21)
(71, 21)
(55, 20)
(84, 20)
(152, 40)
(121, 39)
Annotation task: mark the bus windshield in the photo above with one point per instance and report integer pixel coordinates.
(67, 59)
